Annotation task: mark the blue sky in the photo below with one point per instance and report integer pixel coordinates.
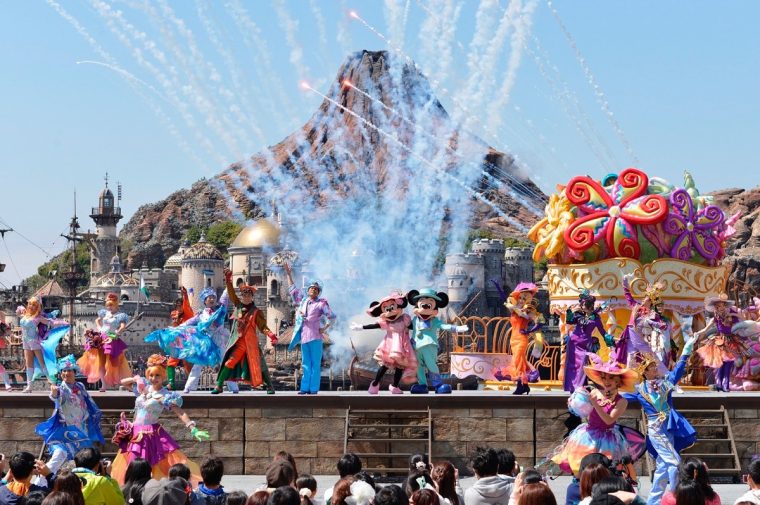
(679, 78)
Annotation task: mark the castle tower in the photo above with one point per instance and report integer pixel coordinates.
(492, 251)
(106, 243)
(519, 265)
(202, 267)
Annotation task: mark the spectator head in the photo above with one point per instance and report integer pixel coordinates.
(689, 492)
(176, 470)
(362, 493)
(507, 461)
(258, 498)
(138, 470)
(444, 476)
(695, 469)
(342, 490)
(609, 485)
(484, 462)
(88, 457)
(418, 462)
(366, 477)
(425, 497)
(167, 492)
(594, 457)
(349, 464)
(284, 495)
(35, 498)
(56, 498)
(753, 477)
(590, 475)
(536, 494)
(212, 471)
(391, 495)
(280, 473)
(307, 488)
(286, 456)
(236, 498)
(69, 483)
(21, 465)
(418, 480)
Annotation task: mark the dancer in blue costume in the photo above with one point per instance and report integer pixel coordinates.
(41, 334)
(668, 432)
(198, 340)
(75, 423)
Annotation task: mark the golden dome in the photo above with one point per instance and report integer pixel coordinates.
(260, 233)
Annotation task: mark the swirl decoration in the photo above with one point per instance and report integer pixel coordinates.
(694, 229)
(613, 213)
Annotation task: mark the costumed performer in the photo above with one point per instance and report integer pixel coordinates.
(145, 437)
(104, 359)
(198, 340)
(308, 331)
(601, 433)
(425, 326)
(723, 348)
(580, 343)
(243, 359)
(5, 330)
(395, 351)
(75, 423)
(668, 432)
(648, 331)
(41, 334)
(182, 312)
(524, 323)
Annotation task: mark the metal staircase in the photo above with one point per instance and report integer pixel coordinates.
(715, 444)
(385, 439)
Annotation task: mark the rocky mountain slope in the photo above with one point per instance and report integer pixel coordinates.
(335, 151)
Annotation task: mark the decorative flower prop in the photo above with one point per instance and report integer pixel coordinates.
(613, 213)
(548, 233)
(697, 229)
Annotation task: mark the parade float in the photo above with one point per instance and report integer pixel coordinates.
(593, 233)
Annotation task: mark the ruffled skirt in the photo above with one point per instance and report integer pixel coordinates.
(614, 442)
(153, 443)
(394, 352)
(720, 349)
(116, 366)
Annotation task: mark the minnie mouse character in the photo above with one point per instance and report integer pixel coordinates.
(425, 326)
(395, 351)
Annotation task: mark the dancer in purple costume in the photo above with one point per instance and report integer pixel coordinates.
(580, 342)
(646, 319)
(724, 347)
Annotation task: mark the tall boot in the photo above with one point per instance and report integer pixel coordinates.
(224, 372)
(729, 366)
(7, 382)
(170, 371)
(29, 380)
(719, 378)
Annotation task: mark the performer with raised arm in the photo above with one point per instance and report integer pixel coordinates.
(182, 312)
(145, 437)
(308, 331)
(40, 337)
(646, 326)
(104, 358)
(580, 343)
(75, 423)
(524, 325)
(668, 432)
(243, 359)
(723, 348)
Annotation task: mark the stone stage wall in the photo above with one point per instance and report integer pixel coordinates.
(248, 429)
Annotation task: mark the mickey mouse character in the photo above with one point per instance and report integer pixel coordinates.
(395, 351)
(425, 326)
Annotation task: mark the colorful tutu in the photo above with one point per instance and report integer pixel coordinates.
(614, 442)
(720, 349)
(116, 368)
(153, 443)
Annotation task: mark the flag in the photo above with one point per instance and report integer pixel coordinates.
(144, 288)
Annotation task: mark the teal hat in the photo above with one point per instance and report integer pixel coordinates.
(426, 293)
(68, 363)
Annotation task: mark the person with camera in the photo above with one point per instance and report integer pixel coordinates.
(17, 482)
(99, 488)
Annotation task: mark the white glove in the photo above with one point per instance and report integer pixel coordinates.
(356, 327)
(688, 347)
(461, 328)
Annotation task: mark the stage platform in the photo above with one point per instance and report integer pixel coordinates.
(247, 429)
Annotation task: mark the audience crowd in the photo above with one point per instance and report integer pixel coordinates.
(499, 481)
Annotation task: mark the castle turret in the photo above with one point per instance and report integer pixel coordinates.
(106, 243)
(202, 267)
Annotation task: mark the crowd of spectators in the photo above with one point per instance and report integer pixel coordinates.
(498, 481)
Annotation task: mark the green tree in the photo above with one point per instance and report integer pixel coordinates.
(222, 233)
(193, 234)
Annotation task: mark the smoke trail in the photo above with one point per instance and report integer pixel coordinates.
(394, 19)
(320, 22)
(290, 27)
(600, 96)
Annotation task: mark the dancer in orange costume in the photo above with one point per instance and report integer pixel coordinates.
(181, 313)
(524, 323)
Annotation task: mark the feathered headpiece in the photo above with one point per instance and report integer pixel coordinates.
(585, 297)
(68, 363)
(642, 360)
(208, 291)
(654, 293)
